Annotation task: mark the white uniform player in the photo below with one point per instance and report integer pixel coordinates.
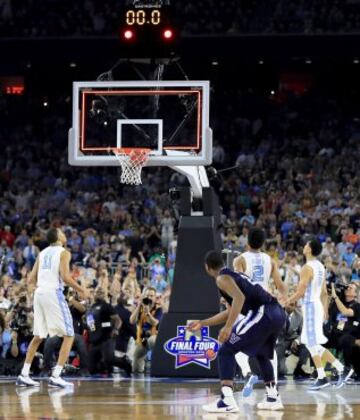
(312, 289)
(312, 308)
(260, 268)
(51, 312)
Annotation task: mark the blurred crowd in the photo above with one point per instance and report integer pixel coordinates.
(296, 176)
(37, 18)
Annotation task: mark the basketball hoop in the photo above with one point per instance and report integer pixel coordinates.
(131, 162)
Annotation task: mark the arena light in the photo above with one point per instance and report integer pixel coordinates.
(168, 34)
(128, 34)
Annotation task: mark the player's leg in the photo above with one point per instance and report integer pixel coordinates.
(272, 400)
(40, 331)
(24, 378)
(226, 364)
(59, 321)
(321, 353)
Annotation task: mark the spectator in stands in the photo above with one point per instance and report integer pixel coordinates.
(146, 316)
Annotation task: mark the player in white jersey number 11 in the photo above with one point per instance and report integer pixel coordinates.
(51, 312)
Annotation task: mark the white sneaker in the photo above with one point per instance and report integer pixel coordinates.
(26, 381)
(270, 404)
(59, 382)
(223, 405)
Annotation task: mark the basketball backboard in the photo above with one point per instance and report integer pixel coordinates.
(171, 118)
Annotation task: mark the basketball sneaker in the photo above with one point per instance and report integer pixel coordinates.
(59, 382)
(26, 381)
(272, 400)
(250, 381)
(226, 403)
(319, 384)
(343, 377)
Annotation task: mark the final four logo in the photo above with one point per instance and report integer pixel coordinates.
(192, 347)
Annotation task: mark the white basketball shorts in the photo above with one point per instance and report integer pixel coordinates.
(51, 314)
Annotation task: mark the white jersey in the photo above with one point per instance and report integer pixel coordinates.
(48, 276)
(313, 290)
(258, 268)
(312, 309)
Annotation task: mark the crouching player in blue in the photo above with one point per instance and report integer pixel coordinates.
(254, 335)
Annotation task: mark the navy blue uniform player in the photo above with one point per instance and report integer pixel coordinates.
(254, 335)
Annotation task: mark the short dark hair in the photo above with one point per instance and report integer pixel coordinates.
(52, 235)
(256, 238)
(315, 246)
(214, 260)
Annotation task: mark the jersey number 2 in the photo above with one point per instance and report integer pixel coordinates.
(258, 273)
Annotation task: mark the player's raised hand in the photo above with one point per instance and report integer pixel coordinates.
(224, 334)
(194, 325)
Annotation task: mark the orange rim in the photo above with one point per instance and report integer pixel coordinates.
(129, 150)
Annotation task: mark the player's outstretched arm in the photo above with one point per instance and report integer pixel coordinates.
(306, 274)
(275, 275)
(66, 276)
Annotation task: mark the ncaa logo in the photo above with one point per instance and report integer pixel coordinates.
(192, 347)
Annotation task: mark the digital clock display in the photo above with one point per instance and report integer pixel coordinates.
(142, 17)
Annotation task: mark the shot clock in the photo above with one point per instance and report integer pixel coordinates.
(143, 21)
(139, 17)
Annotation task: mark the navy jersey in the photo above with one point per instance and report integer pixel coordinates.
(255, 295)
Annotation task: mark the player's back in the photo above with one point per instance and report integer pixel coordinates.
(255, 295)
(313, 289)
(48, 276)
(258, 267)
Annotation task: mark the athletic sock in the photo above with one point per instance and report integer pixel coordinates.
(321, 373)
(338, 366)
(243, 361)
(26, 369)
(57, 371)
(227, 391)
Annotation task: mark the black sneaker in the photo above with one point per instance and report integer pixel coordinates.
(319, 384)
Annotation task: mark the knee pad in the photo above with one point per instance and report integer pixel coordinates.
(316, 350)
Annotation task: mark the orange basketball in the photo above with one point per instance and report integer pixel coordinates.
(210, 354)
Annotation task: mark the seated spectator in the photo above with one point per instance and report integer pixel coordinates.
(292, 271)
(146, 316)
(289, 343)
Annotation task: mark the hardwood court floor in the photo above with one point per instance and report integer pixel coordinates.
(146, 398)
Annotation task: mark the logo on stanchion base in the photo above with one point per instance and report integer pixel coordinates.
(192, 347)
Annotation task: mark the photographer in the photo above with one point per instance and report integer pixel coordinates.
(344, 324)
(146, 316)
(103, 324)
(53, 344)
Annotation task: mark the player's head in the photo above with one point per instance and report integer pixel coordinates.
(256, 238)
(55, 235)
(213, 263)
(312, 248)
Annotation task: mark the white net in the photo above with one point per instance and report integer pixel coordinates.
(131, 162)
